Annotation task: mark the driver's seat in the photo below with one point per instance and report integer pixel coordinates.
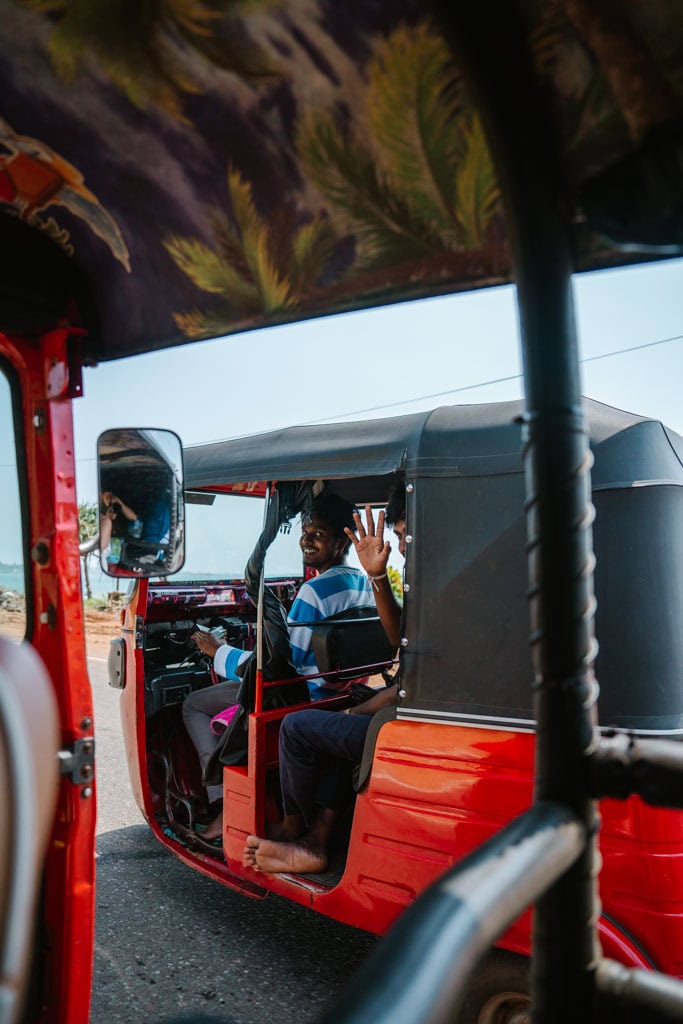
(29, 745)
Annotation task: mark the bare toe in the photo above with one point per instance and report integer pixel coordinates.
(249, 853)
(294, 858)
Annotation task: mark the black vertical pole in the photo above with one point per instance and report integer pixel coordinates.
(489, 43)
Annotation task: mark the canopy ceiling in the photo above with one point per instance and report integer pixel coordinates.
(217, 166)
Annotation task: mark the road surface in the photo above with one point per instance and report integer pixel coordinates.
(170, 942)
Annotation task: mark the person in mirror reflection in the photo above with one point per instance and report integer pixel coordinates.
(318, 749)
(115, 519)
(325, 540)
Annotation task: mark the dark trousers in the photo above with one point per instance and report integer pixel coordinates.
(318, 750)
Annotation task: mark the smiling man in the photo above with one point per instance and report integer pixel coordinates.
(319, 748)
(336, 588)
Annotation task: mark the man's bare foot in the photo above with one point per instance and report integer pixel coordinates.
(249, 854)
(215, 829)
(302, 857)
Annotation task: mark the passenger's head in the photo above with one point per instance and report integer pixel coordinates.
(323, 541)
(395, 512)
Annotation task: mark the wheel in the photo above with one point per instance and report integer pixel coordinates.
(499, 991)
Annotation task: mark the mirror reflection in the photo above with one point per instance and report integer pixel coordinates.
(141, 513)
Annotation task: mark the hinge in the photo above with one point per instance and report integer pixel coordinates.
(78, 761)
(139, 632)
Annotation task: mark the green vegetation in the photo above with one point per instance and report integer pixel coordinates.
(396, 581)
(88, 526)
(96, 604)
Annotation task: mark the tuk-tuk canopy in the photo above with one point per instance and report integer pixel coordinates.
(466, 613)
(190, 170)
(459, 440)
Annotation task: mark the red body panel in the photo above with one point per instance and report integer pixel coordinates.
(57, 635)
(436, 792)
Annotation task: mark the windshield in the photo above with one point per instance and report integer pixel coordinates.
(220, 538)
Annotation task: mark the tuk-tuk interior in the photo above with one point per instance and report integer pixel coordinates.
(169, 612)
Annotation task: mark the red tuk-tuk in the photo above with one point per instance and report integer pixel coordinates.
(182, 171)
(453, 761)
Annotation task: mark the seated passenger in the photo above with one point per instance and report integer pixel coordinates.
(337, 587)
(318, 749)
(117, 522)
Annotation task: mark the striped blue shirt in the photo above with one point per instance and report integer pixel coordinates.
(334, 591)
(226, 659)
(340, 588)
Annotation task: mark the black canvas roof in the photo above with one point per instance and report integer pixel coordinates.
(457, 440)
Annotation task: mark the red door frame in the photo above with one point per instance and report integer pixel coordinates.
(47, 379)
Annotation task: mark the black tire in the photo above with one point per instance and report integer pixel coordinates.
(499, 991)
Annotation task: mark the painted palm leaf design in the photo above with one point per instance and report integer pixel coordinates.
(363, 204)
(254, 266)
(417, 151)
(415, 185)
(148, 48)
(476, 187)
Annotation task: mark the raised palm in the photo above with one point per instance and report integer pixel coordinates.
(372, 550)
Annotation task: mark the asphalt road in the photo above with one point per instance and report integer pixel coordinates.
(171, 943)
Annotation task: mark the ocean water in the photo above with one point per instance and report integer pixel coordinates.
(101, 584)
(12, 580)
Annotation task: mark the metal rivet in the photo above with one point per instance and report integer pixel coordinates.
(410, 488)
(402, 694)
(40, 553)
(86, 792)
(39, 419)
(87, 747)
(86, 724)
(48, 617)
(409, 538)
(404, 641)
(406, 588)
(86, 772)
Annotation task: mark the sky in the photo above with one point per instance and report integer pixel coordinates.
(399, 359)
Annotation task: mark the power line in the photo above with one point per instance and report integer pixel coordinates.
(485, 383)
(634, 348)
(419, 398)
(460, 390)
(450, 391)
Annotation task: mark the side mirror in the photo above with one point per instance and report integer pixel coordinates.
(142, 515)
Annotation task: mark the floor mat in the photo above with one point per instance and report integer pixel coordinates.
(335, 870)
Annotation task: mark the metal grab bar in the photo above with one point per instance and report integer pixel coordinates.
(362, 670)
(419, 973)
(624, 764)
(91, 544)
(632, 996)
